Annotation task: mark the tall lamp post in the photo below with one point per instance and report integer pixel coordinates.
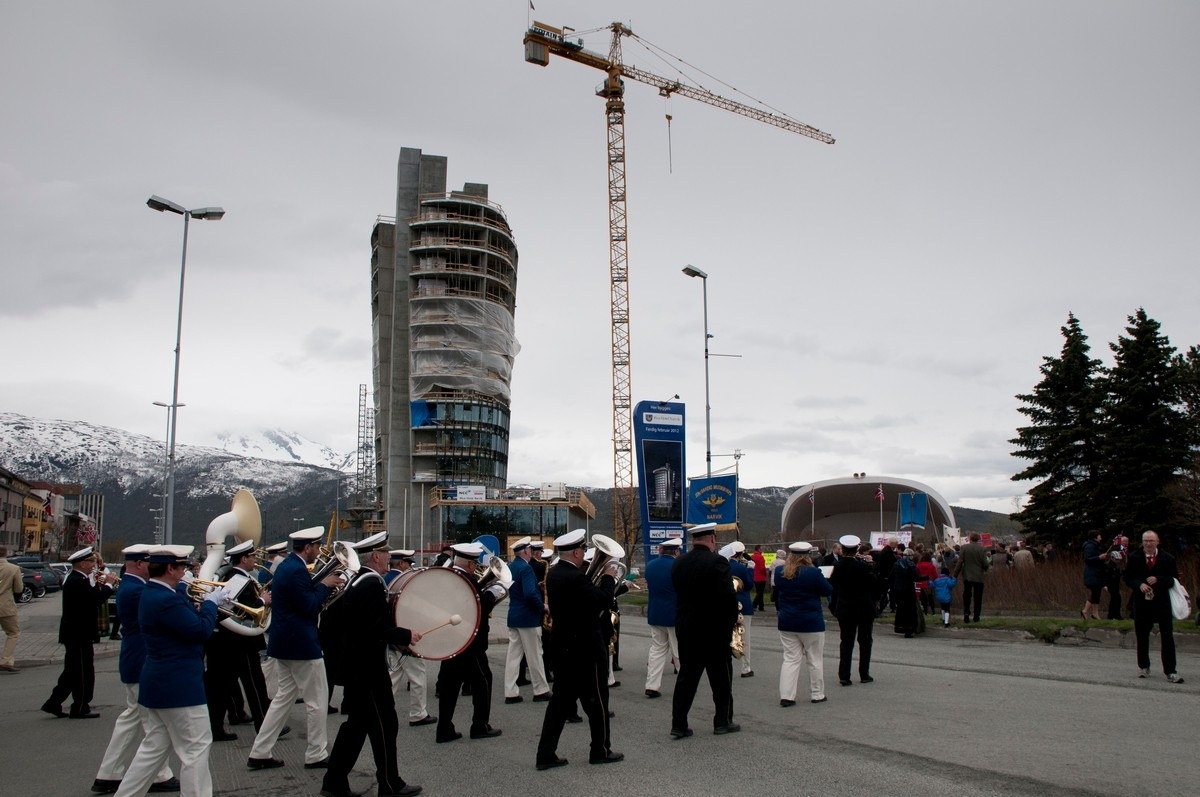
(692, 271)
(209, 214)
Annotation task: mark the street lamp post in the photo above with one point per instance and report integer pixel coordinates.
(212, 214)
(692, 271)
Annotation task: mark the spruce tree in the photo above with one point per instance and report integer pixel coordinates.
(1061, 443)
(1184, 492)
(1146, 437)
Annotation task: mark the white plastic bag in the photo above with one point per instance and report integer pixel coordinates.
(1181, 602)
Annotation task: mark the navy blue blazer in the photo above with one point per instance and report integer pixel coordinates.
(661, 611)
(174, 633)
(295, 606)
(524, 596)
(746, 575)
(133, 645)
(800, 609)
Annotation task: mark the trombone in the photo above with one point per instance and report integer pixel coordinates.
(252, 617)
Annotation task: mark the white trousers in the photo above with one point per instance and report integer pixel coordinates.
(525, 642)
(186, 731)
(747, 621)
(127, 733)
(411, 669)
(663, 645)
(808, 649)
(297, 678)
(270, 675)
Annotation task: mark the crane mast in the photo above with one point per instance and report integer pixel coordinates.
(542, 41)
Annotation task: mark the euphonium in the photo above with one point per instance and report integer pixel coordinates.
(607, 550)
(343, 560)
(494, 574)
(244, 522)
(737, 644)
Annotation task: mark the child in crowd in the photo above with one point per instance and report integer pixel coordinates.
(943, 590)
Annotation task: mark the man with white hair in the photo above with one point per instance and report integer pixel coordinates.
(525, 610)
(1151, 573)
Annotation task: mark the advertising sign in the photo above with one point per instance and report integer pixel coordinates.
(658, 437)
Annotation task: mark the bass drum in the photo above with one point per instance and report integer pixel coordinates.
(424, 602)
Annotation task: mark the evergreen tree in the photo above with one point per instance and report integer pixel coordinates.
(1146, 438)
(1184, 492)
(1061, 442)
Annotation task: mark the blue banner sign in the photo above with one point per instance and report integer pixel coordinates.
(713, 500)
(659, 437)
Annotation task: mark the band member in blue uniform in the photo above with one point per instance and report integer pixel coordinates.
(707, 612)
(660, 615)
(525, 610)
(370, 708)
(78, 631)
(296, 603)
(578, 653)
(128, 730)
(471, 666)
(739, 569)
(172, 684)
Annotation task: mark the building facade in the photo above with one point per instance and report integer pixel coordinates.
(443, 297)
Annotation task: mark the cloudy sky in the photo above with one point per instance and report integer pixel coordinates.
(997, 165)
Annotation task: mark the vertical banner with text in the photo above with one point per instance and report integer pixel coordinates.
(713, 499)
(658, 436)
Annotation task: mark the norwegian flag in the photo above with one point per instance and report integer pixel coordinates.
(812, 497)
(879, 493)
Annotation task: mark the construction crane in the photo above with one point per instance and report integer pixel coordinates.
(542, 41)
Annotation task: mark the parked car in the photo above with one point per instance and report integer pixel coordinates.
(62, 568)
(51, 579)
(34, 588)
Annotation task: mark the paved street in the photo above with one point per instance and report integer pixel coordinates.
(950, 713)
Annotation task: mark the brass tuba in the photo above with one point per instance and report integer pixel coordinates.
(244, 522)
(495, 573)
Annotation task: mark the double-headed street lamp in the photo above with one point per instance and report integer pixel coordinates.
(209, 214)
(692, 271)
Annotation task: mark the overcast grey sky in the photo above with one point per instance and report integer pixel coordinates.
(997, 165)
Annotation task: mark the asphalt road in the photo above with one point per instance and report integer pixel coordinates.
(948, 714)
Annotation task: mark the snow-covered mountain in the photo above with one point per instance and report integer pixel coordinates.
(295, 480)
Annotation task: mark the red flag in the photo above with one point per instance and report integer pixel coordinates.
(812, 497)
(879, 493)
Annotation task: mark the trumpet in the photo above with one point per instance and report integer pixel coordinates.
(253, 617)
(737, 643)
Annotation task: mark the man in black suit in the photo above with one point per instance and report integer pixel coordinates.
(1151, 573)
(707, 610)
(854, 585)
(78, 630)
(578, 652)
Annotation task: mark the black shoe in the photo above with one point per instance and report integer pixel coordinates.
(453, 737)
(332, 710)
(84, 715)
(322, 764)
(846, 682)
(240, 719)
(340, 793)
(574, 718)
(286, 730)
(557, 762)
(908, 635)
(524, 682)
(222, 736)
(818, 700)
(263, 763)
(785, 703)
(608, 758)
(510, 700)
(51, 708)
(748, 674)
(105, 786)
(428, 719)
(611, 713)
(721, 730)
(618, 668)
(168, 785)
(487, 733)
(408, 790)
(680, 733)
(653, 693)
(614, 684)
(542, 698)
(866, 679)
